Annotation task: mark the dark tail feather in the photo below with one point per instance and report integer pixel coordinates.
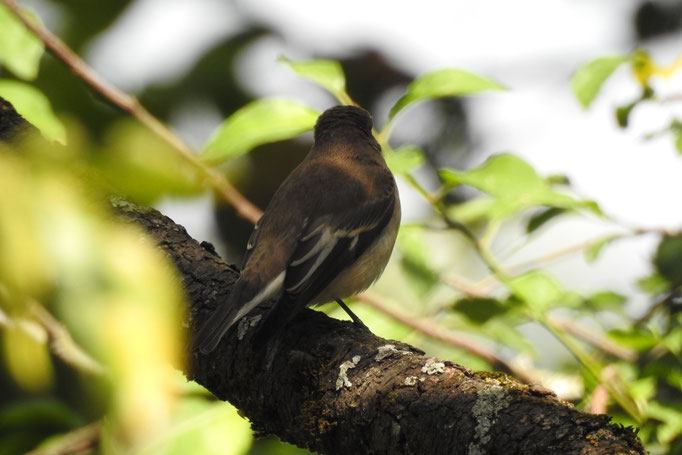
(215, 327)
(275, 321)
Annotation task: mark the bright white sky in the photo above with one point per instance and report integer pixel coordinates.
(531, 46)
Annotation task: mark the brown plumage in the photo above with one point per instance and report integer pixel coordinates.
(326, 234)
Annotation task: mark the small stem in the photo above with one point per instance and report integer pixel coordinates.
(543, 260)
(345, 99)
(80, 440)
(464, 286)
(594, 368)
(385, 133)
(132, 106)
(489, 235)
(673, 292)
(60, 342)
(420, 189)
(600, 342)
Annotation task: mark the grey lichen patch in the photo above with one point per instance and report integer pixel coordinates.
(388, 350)
(342, 380)
(411, 380)
(433, 367)
(490, 401)
(120, 203)
(245, 324)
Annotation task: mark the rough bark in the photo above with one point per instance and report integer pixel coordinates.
(335, 388)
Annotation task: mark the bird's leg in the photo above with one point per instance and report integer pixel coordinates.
(352, 315)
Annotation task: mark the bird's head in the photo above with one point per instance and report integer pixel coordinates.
(343, 123)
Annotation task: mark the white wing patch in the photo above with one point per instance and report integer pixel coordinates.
(324, 240)
(322, 248)
(268, 291)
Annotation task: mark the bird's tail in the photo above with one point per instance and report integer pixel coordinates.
(245, 296)
(212, 331)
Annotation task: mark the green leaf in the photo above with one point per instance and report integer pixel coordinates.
(145, 177)
(678, 141)
(415, 257)
(643, 388)
(34, 107)
(635, 338)
(20, 50)
(27, 421)
(442, 84)
(472, 210)
(205, 427)
(538, 220)
(606, 300)
(480, 310)
(46, 412)
(505, 331)
(538, 289)
(673, 342)
(403, 160)
(668, 259)
(667, 368)
(259, 122)
(589, 78)
(500, 175)
(623, 113)
(513, 184)
(326, 73)
(670, 415)
(558, 179)
(596, 247)
(653, 284)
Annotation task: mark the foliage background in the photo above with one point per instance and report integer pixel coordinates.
(581, 324)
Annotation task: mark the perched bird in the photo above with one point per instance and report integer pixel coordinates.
(327, 233)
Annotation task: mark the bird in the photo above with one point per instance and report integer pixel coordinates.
(327, 233)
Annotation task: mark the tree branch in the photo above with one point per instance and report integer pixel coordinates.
(332, 387)
(433, 330)
(335, 388)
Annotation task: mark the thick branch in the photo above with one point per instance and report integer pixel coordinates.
(334, 388)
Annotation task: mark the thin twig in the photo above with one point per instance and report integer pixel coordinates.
(539, 261)
(594, 368)
(600, 342)
(132, 106)
(462, 285)
(433, 330)
(45, 328)
(668, 297)
(599, 401)
(61, 343)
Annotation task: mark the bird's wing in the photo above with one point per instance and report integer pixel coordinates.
(253, 239)
(333, 242)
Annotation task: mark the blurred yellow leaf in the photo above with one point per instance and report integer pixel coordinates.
(107, 282)
(27, 355)
(644, 67)
(142, 166)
